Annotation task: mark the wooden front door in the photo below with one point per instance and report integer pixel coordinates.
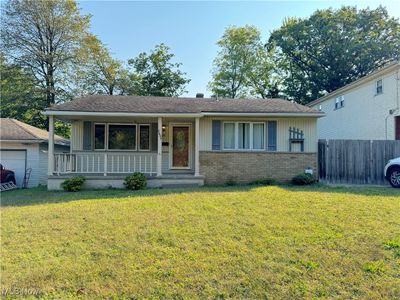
(397, 127)
(180, 146)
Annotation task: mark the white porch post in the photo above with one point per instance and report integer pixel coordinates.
(50, 152)
(196, 148)
(159, 147)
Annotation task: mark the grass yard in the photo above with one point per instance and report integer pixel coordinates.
(233, 242)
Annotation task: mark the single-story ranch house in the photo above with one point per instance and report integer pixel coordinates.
(178, 141)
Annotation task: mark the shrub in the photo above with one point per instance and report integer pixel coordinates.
(264, 181)
(230, 181)
(303, 179)
(136, 181)
(73, 184)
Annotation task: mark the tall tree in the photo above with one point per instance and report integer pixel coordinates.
(263, 78)
(236, 57)
(99, 72)
(333, 48)
(155, 74)
(43, 36)
(21, 99)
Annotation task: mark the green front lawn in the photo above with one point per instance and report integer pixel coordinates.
(234, 242)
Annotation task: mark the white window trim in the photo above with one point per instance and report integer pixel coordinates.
(138, 138)
(339, 100)
(236, 123)
(376, 87)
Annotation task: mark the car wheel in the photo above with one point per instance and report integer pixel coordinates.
(394, 177)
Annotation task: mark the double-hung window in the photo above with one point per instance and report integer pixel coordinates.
(244, 136)
(379, 87)
(229, 136)
(99, 136)
(339, 102)
(144, 137)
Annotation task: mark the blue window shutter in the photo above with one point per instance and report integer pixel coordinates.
(272, 135)
(153, 136)
(216, 135)
(87, 135)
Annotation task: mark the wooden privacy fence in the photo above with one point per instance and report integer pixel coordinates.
(355, 161)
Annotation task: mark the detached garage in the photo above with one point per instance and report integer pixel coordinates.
(24, 147)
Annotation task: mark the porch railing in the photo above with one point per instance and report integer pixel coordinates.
(105, 163)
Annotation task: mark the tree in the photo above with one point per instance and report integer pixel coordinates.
(155, 75)
(99, 72)
(333, 48)
(263, 78)
(21, 99)
(43, 36)
(236, 57)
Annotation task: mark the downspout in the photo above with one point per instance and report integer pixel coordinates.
(397, 108)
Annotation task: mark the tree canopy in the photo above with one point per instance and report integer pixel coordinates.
(332, 48)
(154, 74)
(243, 67)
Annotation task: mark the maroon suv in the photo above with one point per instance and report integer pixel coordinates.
(6, 175)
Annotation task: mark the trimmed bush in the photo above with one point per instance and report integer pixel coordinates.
(303, 179)
(136, 181)
(263, 181)
(73, 184)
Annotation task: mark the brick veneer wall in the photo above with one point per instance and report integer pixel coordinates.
(242, 167)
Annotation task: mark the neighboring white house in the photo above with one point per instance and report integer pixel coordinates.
(23, 146)
(366, 109)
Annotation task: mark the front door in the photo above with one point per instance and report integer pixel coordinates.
(397, 125)
(180, 146)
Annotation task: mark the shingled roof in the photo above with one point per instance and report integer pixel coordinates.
(151, 104)
(14, 130)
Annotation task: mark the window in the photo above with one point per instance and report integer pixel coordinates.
(339, 102)
(244, 136)
(99, 136)
(258, 136)
(229, 135)
(144, 137)
(121, 137)
(379, 87)
(249, 136)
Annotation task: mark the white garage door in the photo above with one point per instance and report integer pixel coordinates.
(14, 160)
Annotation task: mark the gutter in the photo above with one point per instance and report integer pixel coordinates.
(181, 115)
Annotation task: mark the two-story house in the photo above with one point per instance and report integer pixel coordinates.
(366, 109)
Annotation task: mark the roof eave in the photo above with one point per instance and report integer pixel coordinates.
(376, 74)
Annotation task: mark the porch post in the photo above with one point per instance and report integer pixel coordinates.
(50, 152)
(159, 147)
(196, 147)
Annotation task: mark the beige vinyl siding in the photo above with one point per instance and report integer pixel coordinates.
(77, 135)
(308, 125)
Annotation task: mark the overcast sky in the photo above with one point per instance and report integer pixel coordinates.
(191, 29)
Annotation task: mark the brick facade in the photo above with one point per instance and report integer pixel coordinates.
(242, 167)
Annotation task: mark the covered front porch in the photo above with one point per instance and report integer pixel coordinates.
(105, 149)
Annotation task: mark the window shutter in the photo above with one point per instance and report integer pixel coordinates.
(87, 135)
(153, 136)
(272, 135)
(216, 135)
